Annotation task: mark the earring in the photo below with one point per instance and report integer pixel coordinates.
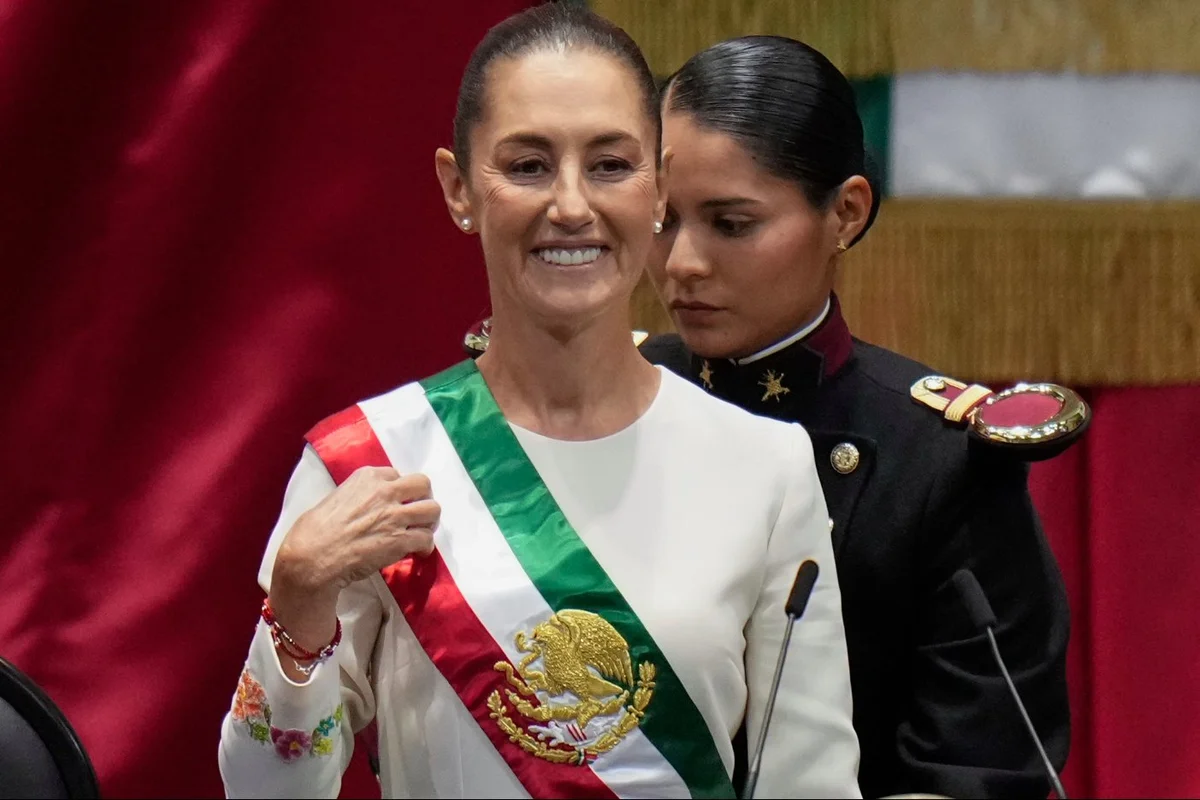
(466, 223)
(657, 226)
(841, 246)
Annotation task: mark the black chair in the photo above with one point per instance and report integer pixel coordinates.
(40, 754)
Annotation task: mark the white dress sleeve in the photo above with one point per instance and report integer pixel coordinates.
(287, 739)
(811, 748)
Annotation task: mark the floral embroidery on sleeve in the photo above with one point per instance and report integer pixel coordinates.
(291, 744)
(251, 709)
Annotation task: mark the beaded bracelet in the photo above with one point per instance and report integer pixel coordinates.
(284, 641)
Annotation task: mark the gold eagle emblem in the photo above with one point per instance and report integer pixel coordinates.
(575, 685)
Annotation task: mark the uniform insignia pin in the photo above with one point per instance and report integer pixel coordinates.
(774, 386)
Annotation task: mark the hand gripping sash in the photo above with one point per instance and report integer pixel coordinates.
(516, 613)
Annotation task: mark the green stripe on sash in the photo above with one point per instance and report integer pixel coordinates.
(563, 569)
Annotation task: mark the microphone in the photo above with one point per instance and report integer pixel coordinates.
(802, 589)
(984, 619)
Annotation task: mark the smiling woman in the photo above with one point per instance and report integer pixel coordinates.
(563, 194)
(574, 615)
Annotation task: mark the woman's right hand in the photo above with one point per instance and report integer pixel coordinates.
(374, 518)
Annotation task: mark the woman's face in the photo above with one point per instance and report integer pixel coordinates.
(562, 184)
(744, 259)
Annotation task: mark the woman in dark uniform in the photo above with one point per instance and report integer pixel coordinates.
(767, 187)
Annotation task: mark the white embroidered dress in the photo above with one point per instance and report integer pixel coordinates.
(699, 512)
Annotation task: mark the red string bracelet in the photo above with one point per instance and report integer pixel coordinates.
(284, 641)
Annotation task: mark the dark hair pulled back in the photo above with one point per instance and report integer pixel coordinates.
(787, 104)
(551, 26)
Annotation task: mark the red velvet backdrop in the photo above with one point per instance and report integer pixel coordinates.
(1122, 509)
(219, 222)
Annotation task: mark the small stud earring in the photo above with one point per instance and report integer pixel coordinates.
(657, 226)
(841, 246)
(466, 223)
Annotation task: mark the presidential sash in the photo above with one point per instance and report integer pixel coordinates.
(515, 611)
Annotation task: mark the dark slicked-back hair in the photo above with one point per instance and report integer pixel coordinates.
(550, 26)
(787, 104)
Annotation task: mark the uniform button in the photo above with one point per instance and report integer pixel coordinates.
(844, 458)
(935, 384)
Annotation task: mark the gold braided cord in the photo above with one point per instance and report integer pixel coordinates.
(883, 37)
(1084, 293)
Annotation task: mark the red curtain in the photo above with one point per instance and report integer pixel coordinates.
(218, 223)
(1122, 510)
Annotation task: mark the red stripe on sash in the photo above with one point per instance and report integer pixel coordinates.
(346, 442)
(449, 631)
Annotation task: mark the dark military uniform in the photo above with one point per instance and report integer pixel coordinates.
(913, 499)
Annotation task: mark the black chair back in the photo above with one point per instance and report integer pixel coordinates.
(40, 754)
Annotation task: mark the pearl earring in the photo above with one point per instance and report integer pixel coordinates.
(657, 226)
(466, 223)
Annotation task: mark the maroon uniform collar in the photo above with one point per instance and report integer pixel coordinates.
(778, 384)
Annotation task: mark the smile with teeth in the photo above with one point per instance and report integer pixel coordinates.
(569, 258)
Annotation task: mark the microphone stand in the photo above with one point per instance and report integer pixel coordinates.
(752, 775)
(1050, 771)
(797, 601)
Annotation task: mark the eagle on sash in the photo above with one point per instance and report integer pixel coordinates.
(586, 671)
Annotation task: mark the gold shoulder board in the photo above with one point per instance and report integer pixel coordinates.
(1032, 421)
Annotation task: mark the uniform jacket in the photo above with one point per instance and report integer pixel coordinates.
(915, 500)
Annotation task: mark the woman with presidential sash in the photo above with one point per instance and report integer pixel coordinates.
(594, 603)
(924, 475)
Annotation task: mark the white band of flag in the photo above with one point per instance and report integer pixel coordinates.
(1045, 135)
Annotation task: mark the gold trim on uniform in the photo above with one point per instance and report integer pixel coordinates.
(774, 386)
(844, 458)
(967, 409)
(967, 402)
(928, 391)
(1073, 412)
(706, 375)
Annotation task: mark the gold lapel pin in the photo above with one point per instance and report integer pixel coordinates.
(774, 386)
